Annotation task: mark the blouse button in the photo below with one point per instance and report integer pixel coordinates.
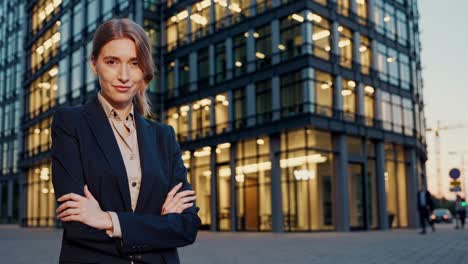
(134, 184)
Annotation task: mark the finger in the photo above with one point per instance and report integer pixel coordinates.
(69, 218)
(183, 194)
(87, 193)
(174, 190)
(66, 205)
(70, 196)
(188, 199)
(183, 207)
(68, 212)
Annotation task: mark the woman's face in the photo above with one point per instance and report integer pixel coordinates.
(118, 71)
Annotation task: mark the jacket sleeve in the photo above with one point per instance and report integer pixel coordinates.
(142, 232)
(67, 177)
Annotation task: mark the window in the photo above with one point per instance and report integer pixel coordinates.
(366, 55)
(263, 5)
(263, 101)
(408, 116)
(348, 93)
(397, 113)
(177, 30)
(395, 185)
(369, 101)
(239, 54)
(201, 118)
(90, 76)
(239, 108)
(402, 30)
(346, 47)
(220, 14)
(42, 11)
(306, 180)
(386, 111)
(343, 7)
(93, 10)
(253, 184)
(43, 93)
(262, 37)
(362, 9)
(184, 75)
(77, 22)
(405, 72)
(290, 37)
(45, 47)
(203, 67)
(321, 37)
(63, 76)
(77, 73)
(221, 113)
(239, 10)
(220, 62)
(170, 79)
(200, 20)
(323, 93)
(291, 94)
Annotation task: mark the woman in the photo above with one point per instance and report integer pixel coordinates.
(119, 178)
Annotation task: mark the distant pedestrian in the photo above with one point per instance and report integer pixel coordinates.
(425, 208)
(460, 211)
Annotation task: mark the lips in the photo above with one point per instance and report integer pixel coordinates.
(121, 88)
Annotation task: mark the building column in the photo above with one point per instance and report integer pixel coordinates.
(276, 97)
(380, 185)
(356, 49)
(337, 97)
(189, 24)
(212, 115)
(232, 164)
(353, 7)
(193, 64)
(341, 183)
(412, 186)
(335, 38)
(214, 191)
(360, 108)
(370, 10)
(213, 17)
(250, 51)
(275, 41)
(251, 104)
(378, 108)
(189, 120)
(1, 198)
(23, 197)
(306, 31)
(308, 89)
(10, 201)
(276, 195)
(229, 62)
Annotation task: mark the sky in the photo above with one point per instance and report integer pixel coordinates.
(444, 40)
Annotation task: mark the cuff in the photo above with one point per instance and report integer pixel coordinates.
(116, 232)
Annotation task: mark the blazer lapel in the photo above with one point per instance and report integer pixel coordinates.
(102, 130)
(148, 159)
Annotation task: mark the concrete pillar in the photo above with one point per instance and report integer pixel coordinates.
(212, 65)
(308, 89)
(1, 198)
(374, 61)
(193, 64)
(189, 120)
(229, 62)
(356, 47)
(378, 107)
(412, 186)
(276, 195)
(212, 17)
(360, 110)
(370, 10)
(353, 7)
(251, 104)
(335, 38)
(189, 25)
(23, 197)
(232, 164)
(338, 98)
(380, 185)
(10, 201)
(306, 31)
(341, 183)
(276, 97)
(214, 191)
(275, 41)
(250, 51)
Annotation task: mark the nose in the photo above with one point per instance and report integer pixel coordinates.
(124, 75)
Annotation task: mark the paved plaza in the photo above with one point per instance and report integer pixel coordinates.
(446, 245)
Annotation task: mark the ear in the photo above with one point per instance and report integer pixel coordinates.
(93, 65)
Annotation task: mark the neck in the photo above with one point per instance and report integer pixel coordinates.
(121, 109)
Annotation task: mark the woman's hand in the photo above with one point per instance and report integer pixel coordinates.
(83, 209)
(178, 202)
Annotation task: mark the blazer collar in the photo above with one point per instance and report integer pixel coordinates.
(102, 130)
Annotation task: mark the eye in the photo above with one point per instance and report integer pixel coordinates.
(134, 63)
(111, 62)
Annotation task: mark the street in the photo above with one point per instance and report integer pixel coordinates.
(446, 245)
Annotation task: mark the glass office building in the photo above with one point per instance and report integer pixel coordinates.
(292, 115)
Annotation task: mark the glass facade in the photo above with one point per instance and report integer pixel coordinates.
(298, 119)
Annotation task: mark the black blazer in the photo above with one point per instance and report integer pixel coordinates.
(85, 151)
(429, 201)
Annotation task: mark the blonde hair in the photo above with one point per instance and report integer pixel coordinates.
(125, 28)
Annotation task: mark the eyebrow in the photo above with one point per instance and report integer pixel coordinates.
(117, 58)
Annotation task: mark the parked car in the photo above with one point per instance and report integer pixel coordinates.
(442, 215)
